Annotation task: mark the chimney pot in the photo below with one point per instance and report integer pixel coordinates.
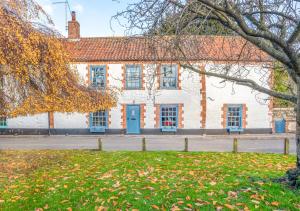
(73, 16)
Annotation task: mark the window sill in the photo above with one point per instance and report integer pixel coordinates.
(97, 129)
(133, 89)
(169, 129)
(162, 88)
(235, 129)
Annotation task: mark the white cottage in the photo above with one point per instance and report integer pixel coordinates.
(156, 94)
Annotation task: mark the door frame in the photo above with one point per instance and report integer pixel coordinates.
(138, 120)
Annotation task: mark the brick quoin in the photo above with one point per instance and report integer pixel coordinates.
(109, 117)
(245, 115)
(51, 119)
(123, 77)
(123, 116)
(203, 97)
(143, 115)
(180, 116)
(179, 77)
(107, 76)
(224, 115)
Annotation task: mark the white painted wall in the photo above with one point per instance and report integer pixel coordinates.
(219, 93)
(70, 121)
(38, 121)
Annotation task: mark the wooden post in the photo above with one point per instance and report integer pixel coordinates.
(186, 145)
(235, 145)
(286, 146)
(99, 144)
(144, 149)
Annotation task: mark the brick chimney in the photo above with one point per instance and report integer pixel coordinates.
(73, 27)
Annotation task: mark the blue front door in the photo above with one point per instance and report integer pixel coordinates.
(133, 119)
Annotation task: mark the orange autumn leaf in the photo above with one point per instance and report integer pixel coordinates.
(35, 71)
(275, 203)
(155, 207)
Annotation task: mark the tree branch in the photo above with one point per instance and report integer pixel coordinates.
(244, 82)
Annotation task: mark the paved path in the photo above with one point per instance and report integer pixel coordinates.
(247, 143)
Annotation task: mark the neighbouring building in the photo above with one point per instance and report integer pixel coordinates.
(156, 94)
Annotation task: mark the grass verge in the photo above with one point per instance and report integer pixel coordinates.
(90, 180)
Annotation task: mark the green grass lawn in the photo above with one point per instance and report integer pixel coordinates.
(89, 180)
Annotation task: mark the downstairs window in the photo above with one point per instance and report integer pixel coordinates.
(98, 121)
(169, 117)
(3, 122)
(234, 117)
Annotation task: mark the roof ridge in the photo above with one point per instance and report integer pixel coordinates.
(143, 37)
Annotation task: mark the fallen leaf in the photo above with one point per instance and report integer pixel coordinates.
(155, 207)
(229, 206)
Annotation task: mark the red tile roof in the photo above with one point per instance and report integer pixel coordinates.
(192, 48)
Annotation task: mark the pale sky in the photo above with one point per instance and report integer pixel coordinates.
(93, 15)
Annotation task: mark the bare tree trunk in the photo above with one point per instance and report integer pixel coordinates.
(293, 175)
(298, 125)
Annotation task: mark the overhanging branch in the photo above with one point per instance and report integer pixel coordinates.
(244, 82)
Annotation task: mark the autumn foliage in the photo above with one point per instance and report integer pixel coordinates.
(35, 71)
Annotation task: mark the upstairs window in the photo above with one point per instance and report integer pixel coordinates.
(3, 122)
(98, 76)
(169, 117)
(234, 117)
(168, 77)
(133, 76)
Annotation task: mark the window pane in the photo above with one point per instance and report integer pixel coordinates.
(234, 116)
(169, 116)
(133, 76)
(99, 119)
(169, 76)
(98, 76)
(3, 122)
